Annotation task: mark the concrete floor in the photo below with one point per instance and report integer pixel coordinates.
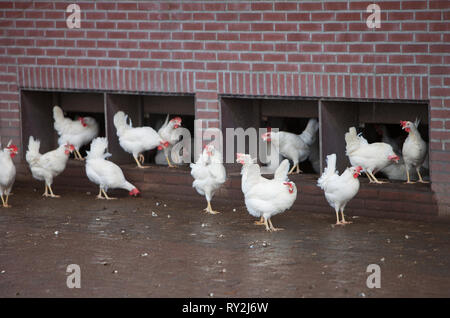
(125, 250)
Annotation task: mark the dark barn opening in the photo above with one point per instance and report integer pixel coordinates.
(147, 110)
(377, 121)
(290, 115)
(37, 115)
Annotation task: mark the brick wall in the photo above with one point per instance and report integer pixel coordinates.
(316, 48)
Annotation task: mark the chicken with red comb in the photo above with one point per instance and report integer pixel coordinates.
(104, 173)
(339, 189)
(414, 149)
(46, 166)
(7, 171)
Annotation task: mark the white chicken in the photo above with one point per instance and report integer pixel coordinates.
(414, 149)
(339, 189)
(271, 197)
(45, 167)
(105, 173)
(170, 134)
(76, 132)
(7, 171)
(246, 161)
(292, 146)
(209, 174)
(137, 140)
(371, 157)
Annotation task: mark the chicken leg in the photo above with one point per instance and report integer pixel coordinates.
(52, 194)
(168, 162)
(209, 209)
(106, 196)
(375, 179)
(337, 217)
(343, 218)
(293, 167)
(141, 158)
(420, 176)
(99, 196)
(139, 164)
(274, 229)
(77, 153)
(260, 222)
(407, 176)
(5, 203)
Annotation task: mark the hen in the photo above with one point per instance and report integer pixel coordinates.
(271, 197)
(371, 157)
(76, 132)
(292, 146)
(136, 140)
(414, 149)
(246, 161)
(105, 173)
(209, 174)
(339, 189)
(170, 134)
(45, 167)
(7, 171)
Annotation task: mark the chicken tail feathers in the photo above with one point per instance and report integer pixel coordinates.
(329, 171)
(352, 140)
(309, 134)
(33, 154)
(281, 174)
(417, 122)
(120, 122)
(98, 149)
(58, 116)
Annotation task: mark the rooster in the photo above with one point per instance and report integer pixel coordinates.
(45, 167)
(209, 174)
(136, 140)
(371, 157)
(292, 146)
(105, 173)
(78, 132)
(271, 197)
(414, 149)
(7, 171)
(246, 161)
(170, 134)
(339, 189)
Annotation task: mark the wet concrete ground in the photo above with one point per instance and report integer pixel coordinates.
(124, 250)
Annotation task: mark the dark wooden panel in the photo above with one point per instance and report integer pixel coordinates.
(289, 108)
(130, 105)
(336, 119)
(392, 113)
(180, 105)
(37, 120)
(243, 113)
(81, 102)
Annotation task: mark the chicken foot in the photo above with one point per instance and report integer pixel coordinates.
(274, 229)
(5, 203)
(106, 196)
(375, 179)
(78, 155)
(139, 164)
(420, 176)
(209, 209)
(260, 222)
(99, 196)
(297, 167)
(407, 176)
(51, 194)
(343, 218)
(170, 164)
